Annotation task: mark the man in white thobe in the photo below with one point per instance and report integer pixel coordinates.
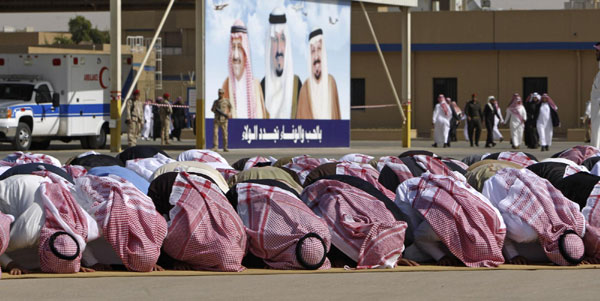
(148, 121)
(441, 122)
(544, 122)
(516, 117)
(595, 98)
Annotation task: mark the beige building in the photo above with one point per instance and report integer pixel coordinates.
(42, 42)
(456, 53)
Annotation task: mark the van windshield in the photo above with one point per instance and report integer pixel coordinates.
(21, 92)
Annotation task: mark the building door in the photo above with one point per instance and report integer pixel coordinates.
(446, 86)
(534, 84)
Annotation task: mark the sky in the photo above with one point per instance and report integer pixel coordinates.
(58, 21)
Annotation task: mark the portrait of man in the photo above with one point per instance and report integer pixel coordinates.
(240, 87)
(319, 96)
(280, 85)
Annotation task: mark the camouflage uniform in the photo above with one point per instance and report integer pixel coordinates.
(135, 120)
(165, 121)
(220, 106)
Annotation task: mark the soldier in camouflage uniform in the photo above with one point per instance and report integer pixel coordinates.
(222, 109)
(135, 118)
(165, 111)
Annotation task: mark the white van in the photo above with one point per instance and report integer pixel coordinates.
(46, 97)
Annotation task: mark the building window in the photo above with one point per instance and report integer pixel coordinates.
(446, 86)
(534, 84)
(172, 43)
(357, 93)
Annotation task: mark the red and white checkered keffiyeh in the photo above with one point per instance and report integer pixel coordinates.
(437, 167)
(204, 156)
(591, 213)
(365, 172)
(5, 221)
(19, 158)
(543, 207)
(128, 218)
(519, 158)
(255, 160)
(64, 234)
(468, 225)
(460, 164)
(303, 165)
(75, 171)
(228, 173)
(401, 170)
(360, 224)
(204, 230)
(357, 158)
(276, 221)
(387, 159)
(571, 170)
(580, 153)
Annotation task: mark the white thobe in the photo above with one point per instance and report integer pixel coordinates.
(146, 167)
(148, 121)
(496, 131)
(441, 123)
(516, 126)
(595, 112)
(544, 125)
(521, 238)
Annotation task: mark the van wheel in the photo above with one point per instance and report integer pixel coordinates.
(22, 141)
(84, 142)
(99, 141)
(41, 145)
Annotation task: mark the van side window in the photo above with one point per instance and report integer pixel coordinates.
(43, 94)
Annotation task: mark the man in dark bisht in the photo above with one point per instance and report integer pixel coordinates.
(247, 163)
(393, 174)
(555, 170)
(584, 189)
(368, 230)
(282, 231)
(93, 160)
(31, 168)
(140, 152)
(531, 135)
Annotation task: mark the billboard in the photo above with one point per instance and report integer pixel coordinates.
(284, 66)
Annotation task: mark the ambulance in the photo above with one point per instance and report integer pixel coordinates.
(45, 97)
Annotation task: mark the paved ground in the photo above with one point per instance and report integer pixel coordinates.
(459, 150)
(450, 285)
(475, 285)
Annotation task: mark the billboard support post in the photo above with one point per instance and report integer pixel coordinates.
(200, 122)
(387, 71)
(148, 52)
(406, 75)
(115, 71)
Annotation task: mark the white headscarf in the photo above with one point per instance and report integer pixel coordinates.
(279, 90)
(320, 98)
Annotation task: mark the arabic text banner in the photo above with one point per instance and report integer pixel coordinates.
(271, 133)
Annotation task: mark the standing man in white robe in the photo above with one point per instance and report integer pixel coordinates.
(516, 117)
(545, 121)
(595, 98)
(148, 120)
(441, 122)
(498, 119)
